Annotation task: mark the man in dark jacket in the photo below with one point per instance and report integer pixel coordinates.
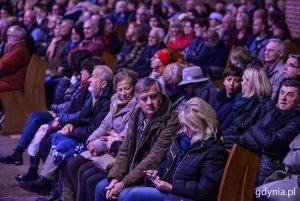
(272, 135)
(77, 129)
(151, 130)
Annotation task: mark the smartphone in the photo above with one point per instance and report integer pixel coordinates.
(150, 176)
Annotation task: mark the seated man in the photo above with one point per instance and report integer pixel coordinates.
(76, 131)
(272, 135)
(151, 130)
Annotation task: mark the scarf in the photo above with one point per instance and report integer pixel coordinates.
(185, 145)
(243, 105)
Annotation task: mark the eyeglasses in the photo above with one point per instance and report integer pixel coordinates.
(291, 65)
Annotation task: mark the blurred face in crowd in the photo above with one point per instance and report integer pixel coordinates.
(150, 101)
(213, 23)
(140, 15)
(3, 14)
(227, 23)
(75, 37)
(288, 98)
(174, 30)
(245, 84)
(291, 68)
(199, 30)
(156, 62)
(96, 84)
(240, 23)
(125, 90)
(189, 4)
(28, 18)
(52, 23)
(277, 32)
(272, 52)
(85, 75)
(258, 27)
(108, 26)
(153, 22)
(65, 29)
(232, 85)
(89, 29)
(153, 38)
(188, 28)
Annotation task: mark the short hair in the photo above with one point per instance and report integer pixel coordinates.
(233, 71)
(144, 85)
(173, 73)
(200, 118)
(142, 32)
(125, 74)
(212, 35)
(292, 83)
(18, 32)
(106, 74)
(90, 63)
(279, 42)
(176, 23)
(258, 82)
(297, 57)
(202, 22)
(77, 58)
(160, 33)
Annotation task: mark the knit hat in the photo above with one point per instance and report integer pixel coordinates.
(163, 56)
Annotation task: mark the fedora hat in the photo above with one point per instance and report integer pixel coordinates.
(193, 74)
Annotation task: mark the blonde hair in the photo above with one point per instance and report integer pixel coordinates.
(200, 118)
(259, 83)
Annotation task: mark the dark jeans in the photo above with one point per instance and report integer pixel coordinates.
(35, 120)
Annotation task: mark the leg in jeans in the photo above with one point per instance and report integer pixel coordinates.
(100, 194)
(144, 194)
(88, 192)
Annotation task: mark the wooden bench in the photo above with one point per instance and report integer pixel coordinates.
(239, 175)
(110, 60)
(17, 105)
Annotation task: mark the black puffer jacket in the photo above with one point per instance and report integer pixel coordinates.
(199, 174)
(243, 122)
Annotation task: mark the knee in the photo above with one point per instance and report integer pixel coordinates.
(100, 189)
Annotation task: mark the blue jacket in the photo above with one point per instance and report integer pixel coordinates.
(199, 174)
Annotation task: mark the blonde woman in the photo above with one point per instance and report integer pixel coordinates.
(250, 105)
(193, 166)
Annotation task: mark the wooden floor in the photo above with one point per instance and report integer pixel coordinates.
(9, 189)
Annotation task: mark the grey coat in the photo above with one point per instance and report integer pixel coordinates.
(115, 120)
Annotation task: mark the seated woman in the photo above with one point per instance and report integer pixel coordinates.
(250, 105)
(160, 60)
(222, 104)
(14, 61)
(193, 167)
(241, 57)
(103, 142)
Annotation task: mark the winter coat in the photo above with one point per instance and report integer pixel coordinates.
(180, 42)
(244, 121)
(90, 117)
(207, 92)
(115, 120)
(223, 108)
(143, 65)
(199, 174)
(121, 57)
(154, 143)
(13, 67)
(275, 76)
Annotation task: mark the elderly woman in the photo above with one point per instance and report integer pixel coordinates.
(222, 104)
(160, 60)
(104, 142)
(13, 63)
(193, 167)
(250, 105)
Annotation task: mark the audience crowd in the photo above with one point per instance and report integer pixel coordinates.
(188, 82)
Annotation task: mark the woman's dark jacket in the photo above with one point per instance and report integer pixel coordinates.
(199, 174)
(244, 121)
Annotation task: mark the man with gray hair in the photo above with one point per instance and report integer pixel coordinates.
(274, 66)
(70, 140)
(150, 134)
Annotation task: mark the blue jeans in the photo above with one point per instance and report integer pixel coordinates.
(140, 193)
(100, 194)
(35, 120)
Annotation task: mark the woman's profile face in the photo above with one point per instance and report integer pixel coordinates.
(187, 130)
(125, 90)
(245, 84)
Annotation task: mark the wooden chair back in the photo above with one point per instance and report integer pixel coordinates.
(239, 175)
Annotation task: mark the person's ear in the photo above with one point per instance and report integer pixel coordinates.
(103, 84)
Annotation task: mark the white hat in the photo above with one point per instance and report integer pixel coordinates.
(215, 16)
(193, 74)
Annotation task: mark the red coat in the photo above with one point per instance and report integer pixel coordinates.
(13, 66)
(180, 42)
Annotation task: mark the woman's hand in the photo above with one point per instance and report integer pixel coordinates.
(153, 173)
(162, 185)
(91, 146)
